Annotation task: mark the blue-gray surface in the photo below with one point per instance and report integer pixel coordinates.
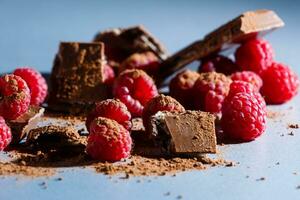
(30, 33)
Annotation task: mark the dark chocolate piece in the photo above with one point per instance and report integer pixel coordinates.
(186, 133)
(55, 137)
(21, 126)
(77, 77)
(248, 25)
(123, 42)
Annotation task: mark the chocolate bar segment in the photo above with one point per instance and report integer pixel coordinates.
(23, 124)
(248, 25)
(120, 43)
(184, 133)
(77, 79)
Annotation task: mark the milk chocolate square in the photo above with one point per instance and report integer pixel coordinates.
(77, 79)
(187, 133)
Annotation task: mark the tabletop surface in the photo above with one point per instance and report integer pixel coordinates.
(268, 168)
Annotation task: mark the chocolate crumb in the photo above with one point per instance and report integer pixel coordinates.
(294, 126)
(298, 187)
(167, 194)
(261, 179)
(179, 197)
(291, 133)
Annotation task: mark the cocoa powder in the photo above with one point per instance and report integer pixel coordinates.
(29, 159)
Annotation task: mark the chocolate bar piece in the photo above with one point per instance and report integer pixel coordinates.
(77, 79)
(123, 42)
(22, 125)
(186, 133)
(55, 137)
(248, 25)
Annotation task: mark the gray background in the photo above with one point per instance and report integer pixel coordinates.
(30, 32)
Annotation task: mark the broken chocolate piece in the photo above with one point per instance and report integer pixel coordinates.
(55, 137)
(120, 43)
(77, 77)
(249, 24)
(184, 133)
(21, 126)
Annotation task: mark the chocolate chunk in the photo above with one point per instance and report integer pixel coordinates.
(184, 133)
(55, 137)
(248, 25)
(21, 126)
(123, 42)
(77, 80)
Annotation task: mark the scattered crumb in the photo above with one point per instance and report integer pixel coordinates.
(291, 133)
(261, 179)
(294, 126)
(179, 197)
(167, 194)
(298, 187)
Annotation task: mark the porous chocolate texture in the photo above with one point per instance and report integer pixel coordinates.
(250, 24)
(23, 124)
(56, 137)
(120, 43)
(77, 80)
(186, 133)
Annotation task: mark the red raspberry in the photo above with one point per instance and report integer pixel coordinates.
(248, 76)
(218, 63)
(214, 101)
(181, 87)
(217, 85)
(160, 103)
(108, 140)
(111, 109)
(146, 61)
(36, 83)
(14, 96)
(244, 116)
(5, 134)
(109, 74)
(254, 55)
(135, 88)
(280, 84)
(241, 86)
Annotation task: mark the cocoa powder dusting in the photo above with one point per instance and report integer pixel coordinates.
(33, 160)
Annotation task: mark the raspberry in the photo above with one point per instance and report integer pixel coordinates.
(254, 55)
(280, 84)
(5, 134)
(248, 76)
(218, 63)
(109, 74)
(160, 103)
(108, 140)
(135, 88)
(241, 86)
(244, 116)
(181, 87)
(214, 101)
(146, 61)
(14, 96)
(210, 90)
(111, 109)
(36, 83)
